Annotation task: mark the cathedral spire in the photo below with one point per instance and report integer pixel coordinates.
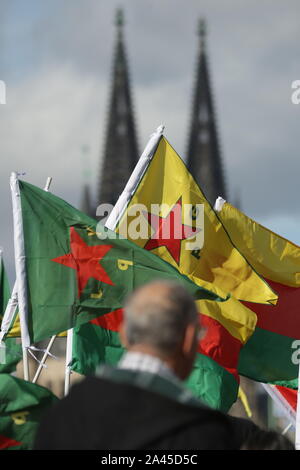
(120, 153)
(119, 20)
(86, 203)
(202, 32)
(203, 155)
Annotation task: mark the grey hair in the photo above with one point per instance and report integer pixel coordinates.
(159, 320)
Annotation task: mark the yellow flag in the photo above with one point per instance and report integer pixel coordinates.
(168, 182)
(271, 255)
(168, 193)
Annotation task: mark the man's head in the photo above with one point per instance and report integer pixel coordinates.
(161, 319)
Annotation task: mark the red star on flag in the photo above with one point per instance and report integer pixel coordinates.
(85, 260)
(169, 231)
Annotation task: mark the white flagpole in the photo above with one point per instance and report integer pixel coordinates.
(44, 358)
(20, 269)
(48, 183)
(286, 429)
(134, 179)
(9, 312)
(69, 355)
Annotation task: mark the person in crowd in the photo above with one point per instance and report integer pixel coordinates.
(142, 403)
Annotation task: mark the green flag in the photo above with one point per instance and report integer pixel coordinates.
(76, 270)
(97, 342)
(13, 352)
(4, 287)
(22, 405)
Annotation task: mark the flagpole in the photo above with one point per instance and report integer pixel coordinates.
(134, 179)
(69, 355)
(20, 269)
(280, 400)
(44, 358)
(9, 313)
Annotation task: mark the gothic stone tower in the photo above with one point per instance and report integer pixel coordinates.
(121, 152)
(203, 155)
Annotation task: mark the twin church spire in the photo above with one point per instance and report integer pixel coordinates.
(121, 150)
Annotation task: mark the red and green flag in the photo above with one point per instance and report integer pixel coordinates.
(271, 354)
(22, 404)
(75, 270)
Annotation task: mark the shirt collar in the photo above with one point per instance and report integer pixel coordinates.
(145, 362)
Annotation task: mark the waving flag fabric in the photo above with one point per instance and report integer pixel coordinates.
(22, 405)
(76, 271)
(271, 353)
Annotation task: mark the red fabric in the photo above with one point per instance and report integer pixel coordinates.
(169, 231)
(283, 318)
(220, 345)
(6, 442)
(290, 395)
(110, 321)
(85, 260)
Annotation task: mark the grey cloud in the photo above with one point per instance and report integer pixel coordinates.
(57, 60)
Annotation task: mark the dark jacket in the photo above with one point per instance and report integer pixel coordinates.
(102, 414)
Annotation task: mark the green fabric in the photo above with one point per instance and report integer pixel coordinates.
(209, 382)
(22, 405)
(213, 384)
(267, 357)
(4, 288)
(13, 355)
(94, 345)
(61, 297)
(12, 350)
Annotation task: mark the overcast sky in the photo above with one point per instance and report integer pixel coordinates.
(56, 59)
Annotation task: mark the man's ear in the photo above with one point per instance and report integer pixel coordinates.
(123, 336)
(188, 343)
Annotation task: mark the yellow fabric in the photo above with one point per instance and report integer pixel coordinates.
(232, 315)
(243, 397)
(271, 255)
(221, 267)
(15, 330)
(239, 320)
